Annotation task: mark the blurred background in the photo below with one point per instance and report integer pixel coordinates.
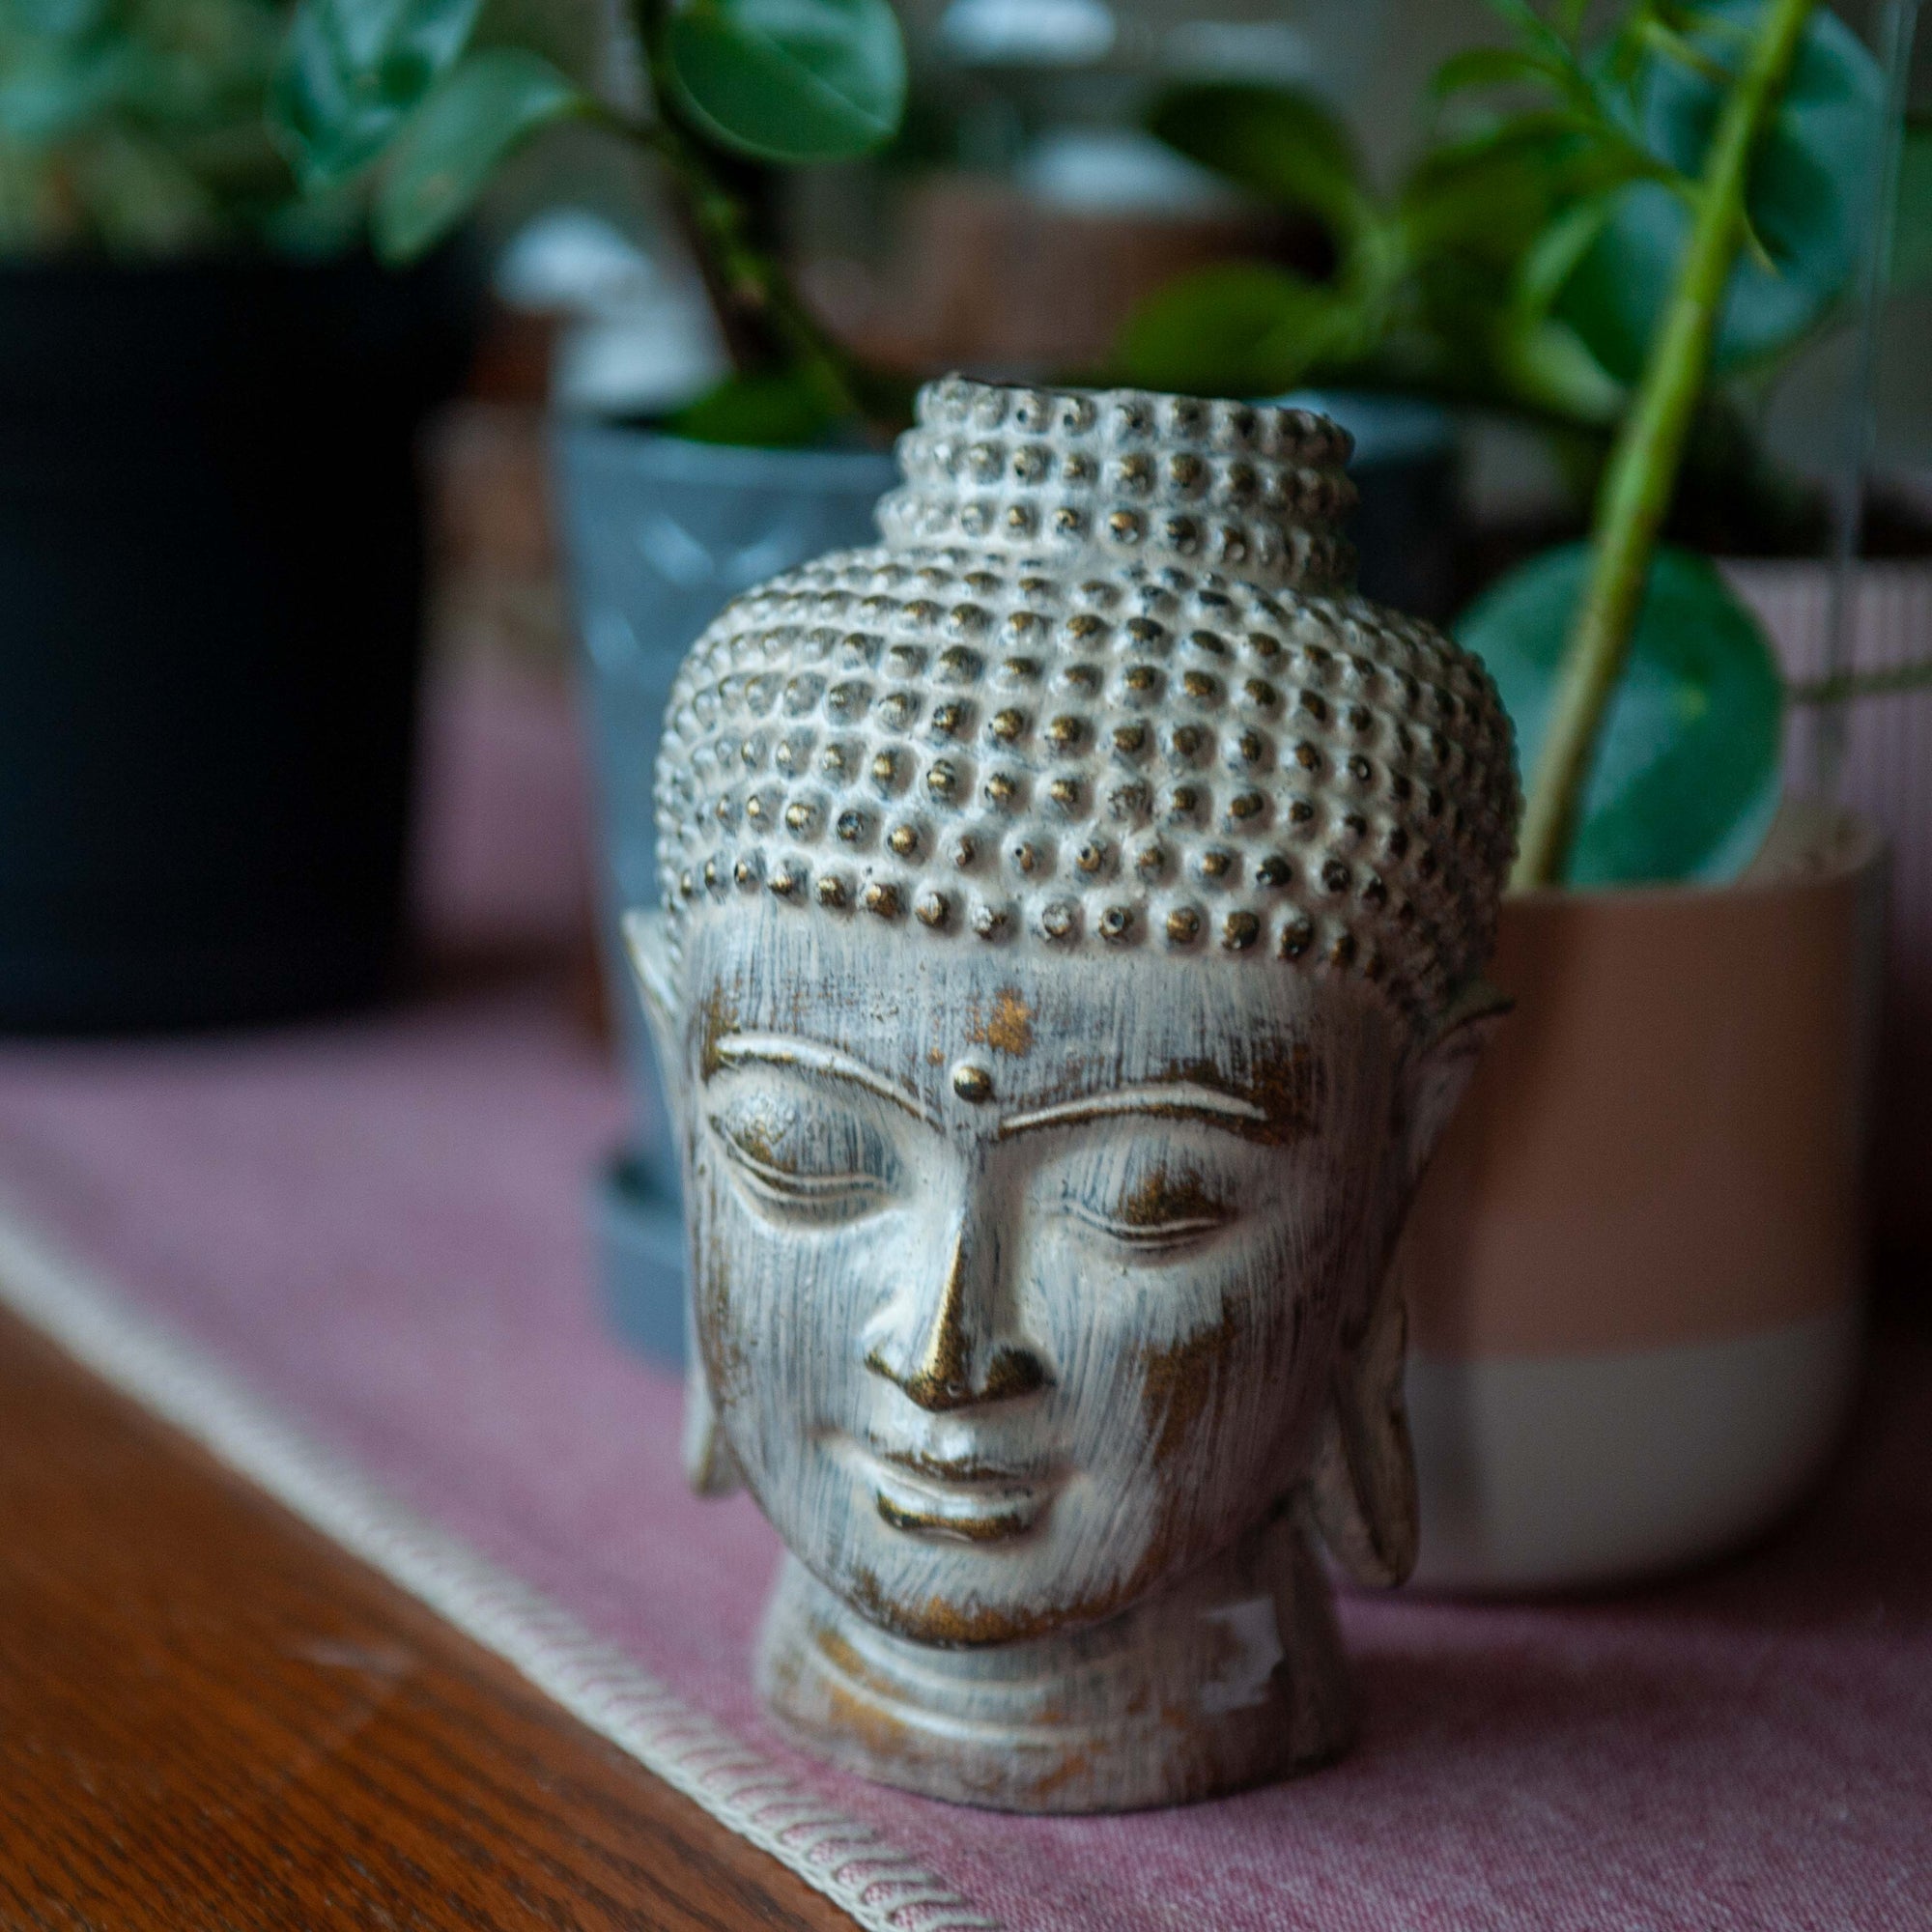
(275, 512)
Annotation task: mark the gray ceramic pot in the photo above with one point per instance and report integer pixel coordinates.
(660, 534)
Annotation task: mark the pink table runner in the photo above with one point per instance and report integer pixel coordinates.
(379, 1224)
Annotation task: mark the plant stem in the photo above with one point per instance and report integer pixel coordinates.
(753, 295)
(1641, 475)
(764, 325)
(1841, 686)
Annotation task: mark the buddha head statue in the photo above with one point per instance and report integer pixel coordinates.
(1073, 914)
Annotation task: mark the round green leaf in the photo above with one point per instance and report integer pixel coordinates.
(488, 105)
(1687, 775)
(1808, 198)
(352, 72)
(1233, 328)
(789, 80)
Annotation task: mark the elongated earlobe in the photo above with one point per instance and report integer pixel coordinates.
(1363, 1485)
(1364, 1481)
(709, 1466)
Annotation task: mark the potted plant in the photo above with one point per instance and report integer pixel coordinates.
(1512, 272)
(1636, 1270)
(208, 400)
(417, 104)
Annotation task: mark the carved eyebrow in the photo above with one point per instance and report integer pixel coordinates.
(813, 1057)
(1166, 1100)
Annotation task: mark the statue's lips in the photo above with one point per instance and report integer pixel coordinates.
(968, 1497)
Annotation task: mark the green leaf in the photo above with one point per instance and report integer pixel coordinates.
(779, 410)
(49, 94)
(1912, 212)
(485, 107)
(1233, 328)
(1491, 67)
(1807, 200)
(1687, 775)
(352, 72)
(789, 80)
(57, 19)
(1491, 193)
(1278, 143)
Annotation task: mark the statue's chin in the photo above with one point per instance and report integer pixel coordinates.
(963, 1616)
(1229, 1676)
(958, 1594)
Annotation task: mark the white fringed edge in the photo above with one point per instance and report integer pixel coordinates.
(880, 1887)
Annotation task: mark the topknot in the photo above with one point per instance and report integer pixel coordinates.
(1002, 745)
(1257, 490)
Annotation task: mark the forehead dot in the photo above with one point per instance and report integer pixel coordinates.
(972, 1083)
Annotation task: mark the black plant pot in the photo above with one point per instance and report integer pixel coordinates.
(210, 590)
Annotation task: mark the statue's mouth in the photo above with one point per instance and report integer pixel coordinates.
(967, 1497)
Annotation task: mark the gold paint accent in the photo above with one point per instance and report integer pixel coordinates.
(965, 1625)
(972, 1083)
(942, 1380)
(1009, 1029)
(1162, 1199)
(1181, 1381)
(717, 1021)
(970, 1529)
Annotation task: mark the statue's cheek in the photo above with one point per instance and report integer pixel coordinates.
(1213, 1403)
(715, 1298)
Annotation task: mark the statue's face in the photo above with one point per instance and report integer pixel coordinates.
(1018, 1277)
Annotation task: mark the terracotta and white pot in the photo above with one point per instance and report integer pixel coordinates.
(1886, 773)
(1636, 1267)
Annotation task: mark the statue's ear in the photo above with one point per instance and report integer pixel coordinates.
(709, 1466)
(647, 939)
(1364, 1482)
(1438, 1071)
(709, 1463)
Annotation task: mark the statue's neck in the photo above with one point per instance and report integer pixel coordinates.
(1232, 1677)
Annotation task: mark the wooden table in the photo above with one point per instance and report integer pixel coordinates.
(213, 1718)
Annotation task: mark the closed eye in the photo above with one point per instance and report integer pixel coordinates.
(1150, 1236)
(800, 1193)
(1160, 1203)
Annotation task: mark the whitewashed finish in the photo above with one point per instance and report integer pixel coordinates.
(1040, 1239)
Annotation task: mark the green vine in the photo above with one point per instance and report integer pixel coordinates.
(1641, 475)
(416, 103)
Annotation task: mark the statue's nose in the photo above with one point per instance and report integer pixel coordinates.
(954, 1345)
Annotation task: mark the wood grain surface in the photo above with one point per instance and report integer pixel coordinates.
(212, 1718)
